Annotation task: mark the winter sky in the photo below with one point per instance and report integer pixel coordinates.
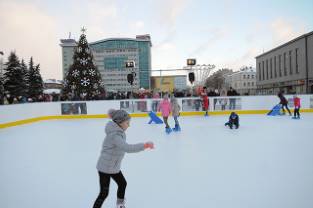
(226, 33)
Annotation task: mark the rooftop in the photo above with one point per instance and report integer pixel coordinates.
(291, 41)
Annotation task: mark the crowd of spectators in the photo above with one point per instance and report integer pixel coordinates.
(9, 99)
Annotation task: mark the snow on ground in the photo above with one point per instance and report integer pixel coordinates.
(266, 163)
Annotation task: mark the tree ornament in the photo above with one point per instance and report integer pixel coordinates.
(83, 61)
(85, 82)
(75, 73)
(92, 72)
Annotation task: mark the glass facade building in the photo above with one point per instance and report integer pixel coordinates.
(110, 56)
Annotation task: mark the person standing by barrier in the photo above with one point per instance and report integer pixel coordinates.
(205, 101)
(297, 105)
(232, 101)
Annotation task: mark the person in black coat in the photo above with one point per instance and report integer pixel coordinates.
(233, 121)
(232, 101)
(283, 102)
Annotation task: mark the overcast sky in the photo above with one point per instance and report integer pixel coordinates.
(226, 33)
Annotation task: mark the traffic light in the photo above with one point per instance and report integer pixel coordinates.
(130, 78)
(130, 64)
(191, 77)
(191, 62)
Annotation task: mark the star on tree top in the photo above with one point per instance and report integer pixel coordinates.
(83, 30)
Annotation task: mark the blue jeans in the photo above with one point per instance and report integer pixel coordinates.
(176, 120)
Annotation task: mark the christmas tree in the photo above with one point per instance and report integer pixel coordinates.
(24, 73)
(83, 79)
(1, 90)
(35, 83)
(14, 80)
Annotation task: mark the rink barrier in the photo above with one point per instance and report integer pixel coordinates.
(134, 115)
(19, 114)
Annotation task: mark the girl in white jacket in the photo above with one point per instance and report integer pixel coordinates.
(113, 150)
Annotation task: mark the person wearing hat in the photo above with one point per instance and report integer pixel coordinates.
(297, 105)
(113, 150)
(175, 113)
(233, 121)
(165, 109)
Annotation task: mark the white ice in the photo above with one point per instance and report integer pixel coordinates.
(266, 163)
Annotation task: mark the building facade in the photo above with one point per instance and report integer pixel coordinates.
(52, 86)
(67, 46)
(287, 68)
(243, 81)
(110, 57)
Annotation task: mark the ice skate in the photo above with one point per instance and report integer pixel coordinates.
(168, 130)
(120, 203)
(177, 128)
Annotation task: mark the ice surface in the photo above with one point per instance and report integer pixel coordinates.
(266, 163)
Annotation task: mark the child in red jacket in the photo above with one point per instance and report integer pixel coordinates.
(297, 105)
(205, 101)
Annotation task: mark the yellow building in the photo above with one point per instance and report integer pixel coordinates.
(169, 83)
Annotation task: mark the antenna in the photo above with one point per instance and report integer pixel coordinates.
(69, 35)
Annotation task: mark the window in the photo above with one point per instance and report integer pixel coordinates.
(275, 71)
(297, 67)
(267, 69)
(263, 71)
(248, 76)
(285, 65)
(244, 84)
(248, 84)
(259, 71)
(252, 83)
(290, 62)
(244, 76)
(271, 68)
(279, 65)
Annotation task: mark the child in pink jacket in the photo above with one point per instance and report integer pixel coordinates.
(165, 108)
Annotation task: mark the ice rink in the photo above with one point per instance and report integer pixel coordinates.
(266, 163)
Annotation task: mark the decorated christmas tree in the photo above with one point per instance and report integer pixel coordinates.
(83, 80)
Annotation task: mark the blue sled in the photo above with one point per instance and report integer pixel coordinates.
(275, 111)
(154, 118)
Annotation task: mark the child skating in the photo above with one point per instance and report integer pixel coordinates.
(283, 102)
(175, 113)
(165, 109)
(233, 121)
(113, 150)
(297, 105)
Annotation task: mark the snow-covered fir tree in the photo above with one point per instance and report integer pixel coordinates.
(35, 83)
(14, 80)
